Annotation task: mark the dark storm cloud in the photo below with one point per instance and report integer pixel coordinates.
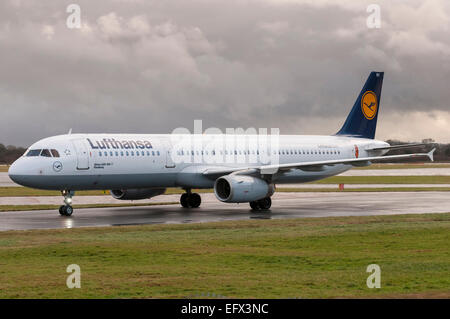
(152, 66)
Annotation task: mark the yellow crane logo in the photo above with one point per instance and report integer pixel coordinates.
(369, 105)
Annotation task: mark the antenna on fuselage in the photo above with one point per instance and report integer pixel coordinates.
(70, 131)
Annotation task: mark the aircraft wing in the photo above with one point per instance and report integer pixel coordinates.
(315, 166)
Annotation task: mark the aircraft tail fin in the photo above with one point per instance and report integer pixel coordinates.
(362, 120)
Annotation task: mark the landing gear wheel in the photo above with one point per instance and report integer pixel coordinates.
(265, 203)
(254, 205)
(184, 200)
(66, 210)
(262, 204)
(194, 200)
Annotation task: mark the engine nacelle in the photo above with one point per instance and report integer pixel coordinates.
(137, 193)
(242, 189)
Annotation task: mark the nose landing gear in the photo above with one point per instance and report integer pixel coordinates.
(67, 209)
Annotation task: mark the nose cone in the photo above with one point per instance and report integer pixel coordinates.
(16, 172)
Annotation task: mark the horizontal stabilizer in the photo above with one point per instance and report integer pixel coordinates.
(398, 147)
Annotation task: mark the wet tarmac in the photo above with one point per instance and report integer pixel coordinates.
(284, 205)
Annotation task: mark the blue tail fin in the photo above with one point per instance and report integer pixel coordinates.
(362, 120)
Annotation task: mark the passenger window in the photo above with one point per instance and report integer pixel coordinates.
(157, 152)
(105, 153)
(46, 153)
(99, 153)
(55, 153)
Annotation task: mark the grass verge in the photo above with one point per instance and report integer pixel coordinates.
(285, 258)
(385, 180)
(363, 189)
(405, 166)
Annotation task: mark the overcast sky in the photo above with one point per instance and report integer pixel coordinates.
(152, 66)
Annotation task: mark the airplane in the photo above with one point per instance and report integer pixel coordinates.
(140, 166)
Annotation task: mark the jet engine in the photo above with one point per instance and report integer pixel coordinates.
(241, 189)
(136, 193)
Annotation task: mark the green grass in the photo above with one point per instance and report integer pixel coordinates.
(26, 191)
(363, 189)
(385, 180)
(405, 166)
(307, 258)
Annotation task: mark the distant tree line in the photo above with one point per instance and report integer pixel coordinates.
(10, 153)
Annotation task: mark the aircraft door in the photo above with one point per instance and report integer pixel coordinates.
(82, 154)
(169, 161)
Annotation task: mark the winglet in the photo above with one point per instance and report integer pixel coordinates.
(430, 154)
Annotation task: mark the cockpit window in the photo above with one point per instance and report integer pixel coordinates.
(55, 153)
(43, 152)
(34, 153)
(46, 153)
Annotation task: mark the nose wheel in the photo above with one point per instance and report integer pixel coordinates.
(67, 209)
(190, 200)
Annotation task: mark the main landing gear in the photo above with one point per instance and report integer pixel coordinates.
(67, 209)
(262, 204)
(190, 200)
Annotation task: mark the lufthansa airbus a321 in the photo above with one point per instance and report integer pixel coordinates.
(141, 166)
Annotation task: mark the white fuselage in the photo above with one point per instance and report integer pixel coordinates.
(125, 161)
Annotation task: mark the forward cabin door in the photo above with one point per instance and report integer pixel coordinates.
(169, 161)
(82, 154)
